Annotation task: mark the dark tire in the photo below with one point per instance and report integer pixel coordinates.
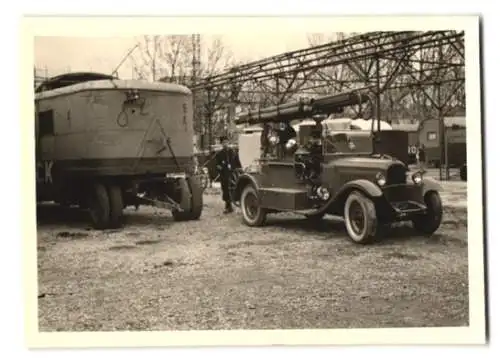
(463, 172)
(196, 209)
(253, 214)
(360, 218)
(116, 217)
(428, 223)
(99, 206)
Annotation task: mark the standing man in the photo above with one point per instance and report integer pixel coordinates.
(227, 161)
(421, 157)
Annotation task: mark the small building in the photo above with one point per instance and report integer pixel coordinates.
(427, 133)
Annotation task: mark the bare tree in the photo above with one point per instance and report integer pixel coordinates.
(163, 58)
(170, 59)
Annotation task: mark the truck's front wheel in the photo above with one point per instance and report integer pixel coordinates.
(360, 218)
(428, 223)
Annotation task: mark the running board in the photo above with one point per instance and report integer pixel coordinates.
(306, 212)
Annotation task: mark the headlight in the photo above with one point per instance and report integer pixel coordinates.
(273, 140)
(417, 177)
(291, 144)
(323, 193)
(380, 179)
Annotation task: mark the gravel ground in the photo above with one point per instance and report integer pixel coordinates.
(216, 273)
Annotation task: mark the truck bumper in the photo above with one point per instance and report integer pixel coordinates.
(402, 201)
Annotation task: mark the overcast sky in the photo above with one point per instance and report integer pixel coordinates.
(61, 54)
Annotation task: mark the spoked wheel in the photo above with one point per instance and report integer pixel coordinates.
(99, 206)
(356, 217)
(253, 214)
(360, 218)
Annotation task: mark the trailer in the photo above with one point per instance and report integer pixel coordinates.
(104, 144)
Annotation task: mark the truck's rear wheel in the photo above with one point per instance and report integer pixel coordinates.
(360, 218)
(196, 191)
(99, 206)
(253, 214)
(116, 205)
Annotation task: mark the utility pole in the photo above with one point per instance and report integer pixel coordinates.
(195, 77)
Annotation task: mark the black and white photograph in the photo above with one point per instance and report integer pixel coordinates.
(279, 179)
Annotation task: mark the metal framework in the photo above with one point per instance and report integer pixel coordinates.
(412, 74)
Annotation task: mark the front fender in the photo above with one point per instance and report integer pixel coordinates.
(430, 184)
(336, 204)
(366, 186)
(243, 180)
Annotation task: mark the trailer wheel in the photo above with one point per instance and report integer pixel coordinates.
(429, 222)
(99, 206)
(196, 209)
(360, 218)
(116, 206)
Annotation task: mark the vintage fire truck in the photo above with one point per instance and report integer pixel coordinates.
(344, 173)
(104, 143)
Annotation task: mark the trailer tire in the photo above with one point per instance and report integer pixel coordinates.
(196, 202)
(99, 206)
(116, 217)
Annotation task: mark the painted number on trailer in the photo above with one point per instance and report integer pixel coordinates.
(412, 149)
(44, 171)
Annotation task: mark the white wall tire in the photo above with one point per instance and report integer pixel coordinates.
(253, 214)
(360, 218)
